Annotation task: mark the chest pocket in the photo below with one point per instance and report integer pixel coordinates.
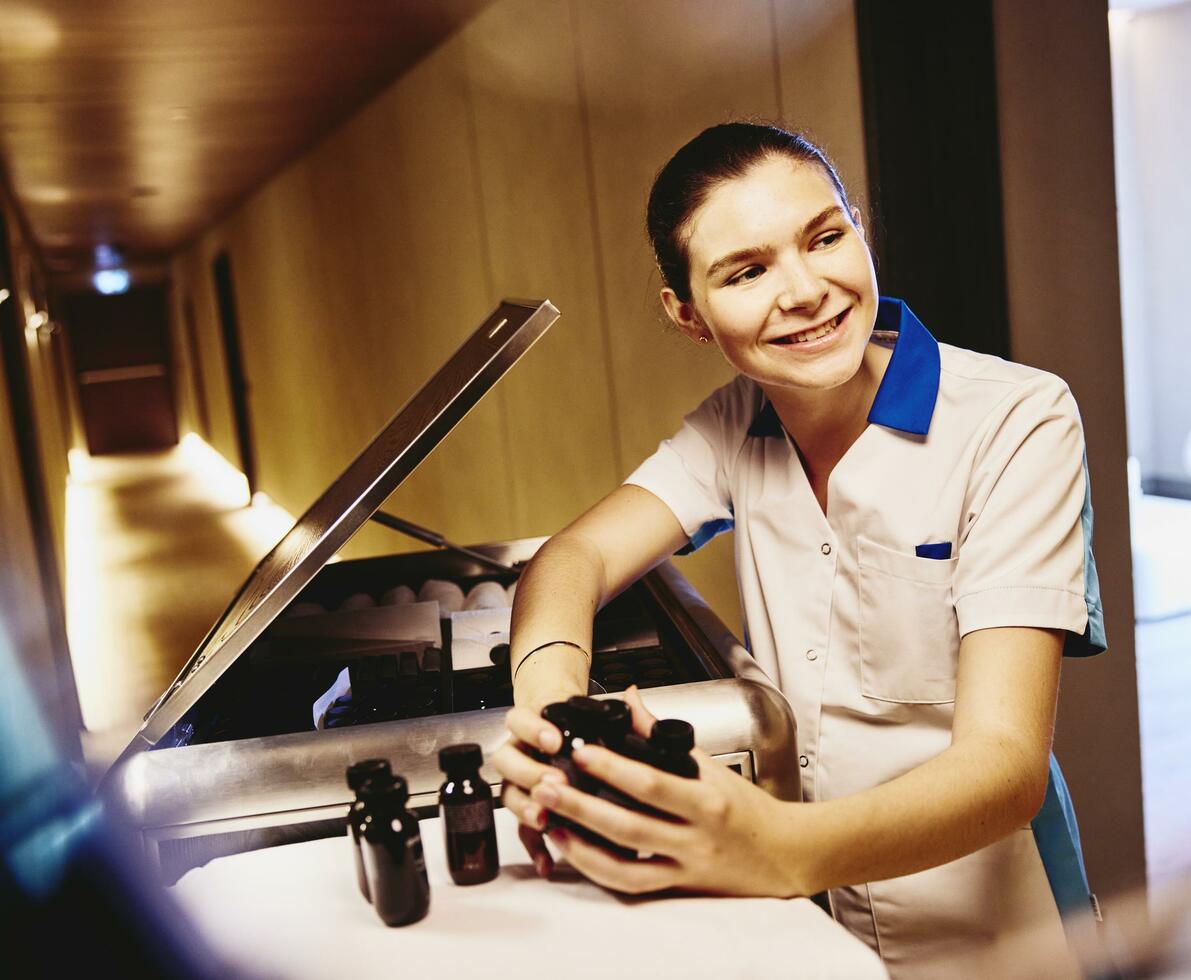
(909, 636)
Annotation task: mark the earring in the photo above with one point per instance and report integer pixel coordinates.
(703, 339)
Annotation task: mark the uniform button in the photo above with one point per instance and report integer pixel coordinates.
(811, 655)
(826, 548)
(803, 761)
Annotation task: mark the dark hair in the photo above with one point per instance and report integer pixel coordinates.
(717, 154)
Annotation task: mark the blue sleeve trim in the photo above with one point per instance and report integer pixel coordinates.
(705, 533)
(1094, 640)
(1056, 834)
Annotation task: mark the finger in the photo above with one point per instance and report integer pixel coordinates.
(515, 766)
(533, 730)
(628, 828)
(673, 794)
(643, 719)
(536, 848)
(619, 874)
(529, 812)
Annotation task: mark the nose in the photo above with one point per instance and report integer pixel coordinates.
(801, 287)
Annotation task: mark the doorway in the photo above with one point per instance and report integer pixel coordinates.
(225, 297)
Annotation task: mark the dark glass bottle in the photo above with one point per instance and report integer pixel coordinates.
(357, 776)
(671, 741)
(468, 822)
(394, 864)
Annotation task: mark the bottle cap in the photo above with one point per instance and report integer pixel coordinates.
(361, 772)
(559, 715)
(382, 783)
(672, 735)
(465, 757)
(616, 719)
(587, 717)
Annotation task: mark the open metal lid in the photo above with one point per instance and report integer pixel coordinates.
(334, 517)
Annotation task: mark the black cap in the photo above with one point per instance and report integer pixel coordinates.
(587, 716)
(617, 718)
(382, 784)
(464, 757)
(672, 735)
(361, 772)
(559, 715)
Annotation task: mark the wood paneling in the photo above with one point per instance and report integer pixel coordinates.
(530, 144)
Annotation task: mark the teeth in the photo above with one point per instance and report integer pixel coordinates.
(817, 332)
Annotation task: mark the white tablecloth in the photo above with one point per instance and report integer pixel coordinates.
(294, 912)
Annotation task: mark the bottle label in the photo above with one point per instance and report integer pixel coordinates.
(468, 818)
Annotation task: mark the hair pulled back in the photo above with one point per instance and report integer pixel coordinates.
(717, 154)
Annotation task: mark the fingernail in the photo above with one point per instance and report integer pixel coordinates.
(546, 794)
(554, 776)
(581, 754)
(557, 836)
(549, 740)
(541, 866)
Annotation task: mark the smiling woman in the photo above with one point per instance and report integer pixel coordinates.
(913, 554)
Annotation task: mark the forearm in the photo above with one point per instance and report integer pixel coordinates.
(973, 794)
(557, 597)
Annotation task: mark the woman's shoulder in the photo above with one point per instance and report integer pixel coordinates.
(974, 370)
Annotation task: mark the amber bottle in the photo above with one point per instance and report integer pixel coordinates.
(468, 821)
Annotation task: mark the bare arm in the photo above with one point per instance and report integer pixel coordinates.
(575, 573)
(732, 837)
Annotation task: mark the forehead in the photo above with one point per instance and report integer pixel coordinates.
(767, 204)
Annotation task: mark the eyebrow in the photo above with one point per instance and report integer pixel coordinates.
(742, 254)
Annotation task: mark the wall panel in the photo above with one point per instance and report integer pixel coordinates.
(539, 233)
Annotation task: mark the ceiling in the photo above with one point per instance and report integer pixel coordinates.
(138, 123)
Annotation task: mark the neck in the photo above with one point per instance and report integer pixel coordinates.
(824, 424)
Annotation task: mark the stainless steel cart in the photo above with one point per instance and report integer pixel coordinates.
(229, 759)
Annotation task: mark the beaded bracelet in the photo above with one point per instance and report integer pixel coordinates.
(552, 643)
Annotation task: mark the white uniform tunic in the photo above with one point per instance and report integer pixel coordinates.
(964, 505)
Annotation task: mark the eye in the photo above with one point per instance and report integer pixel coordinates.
(829, 239)
(745, 275)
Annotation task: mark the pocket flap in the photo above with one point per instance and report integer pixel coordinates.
(904, 565)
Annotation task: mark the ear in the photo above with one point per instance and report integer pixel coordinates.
(685, 317)
(858, 221)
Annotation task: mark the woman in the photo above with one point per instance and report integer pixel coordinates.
(913, 554)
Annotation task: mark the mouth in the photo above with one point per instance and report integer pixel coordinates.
(811, 334)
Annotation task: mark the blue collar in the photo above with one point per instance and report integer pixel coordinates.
(907, 394)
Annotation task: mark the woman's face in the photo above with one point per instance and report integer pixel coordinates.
(781, 278)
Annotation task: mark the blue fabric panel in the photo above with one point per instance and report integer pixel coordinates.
(1057, 835)
(705, 534)
(908, 392)
(1094, 640)
(941, 551)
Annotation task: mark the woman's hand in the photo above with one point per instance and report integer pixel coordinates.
(723, 838)
(522, 772)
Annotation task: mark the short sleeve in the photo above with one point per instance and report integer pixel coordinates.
(688, 475)
(1025, 556)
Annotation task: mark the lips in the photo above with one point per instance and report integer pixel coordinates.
(811, 334)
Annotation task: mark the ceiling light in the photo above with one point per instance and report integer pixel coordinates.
(111, 282)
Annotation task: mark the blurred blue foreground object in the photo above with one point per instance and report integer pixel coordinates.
(69, 888)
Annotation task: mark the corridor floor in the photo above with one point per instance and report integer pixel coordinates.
(157, 545)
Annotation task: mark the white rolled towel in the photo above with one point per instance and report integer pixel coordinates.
(399, 595)
(448, 595)
(360, 600)
(486, 595)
